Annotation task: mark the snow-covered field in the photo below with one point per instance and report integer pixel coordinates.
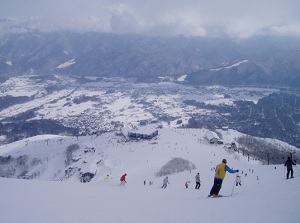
(265, 194)
(115, 100)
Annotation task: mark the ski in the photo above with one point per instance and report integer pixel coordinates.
(211, 196)
(219, 196)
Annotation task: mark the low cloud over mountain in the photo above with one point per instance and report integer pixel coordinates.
(253, 61)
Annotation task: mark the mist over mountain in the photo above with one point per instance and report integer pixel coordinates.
(261, 60)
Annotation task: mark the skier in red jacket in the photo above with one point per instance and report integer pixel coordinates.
(123, 179)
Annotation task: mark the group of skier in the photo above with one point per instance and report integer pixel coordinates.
(220, 173)
(221, 170)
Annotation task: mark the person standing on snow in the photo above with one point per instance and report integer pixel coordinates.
(187, 184)
(238, 180)
(197, 179)
(123, 179)
(106, 178)
(165, 182)
(221, 170)
(289, 166)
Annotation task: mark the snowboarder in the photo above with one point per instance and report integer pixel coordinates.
(289, 166)
(238, 180)
(197, 179)
(123, 179)
(165, 182)
(219, 176)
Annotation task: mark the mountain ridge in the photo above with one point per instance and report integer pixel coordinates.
(271, 60)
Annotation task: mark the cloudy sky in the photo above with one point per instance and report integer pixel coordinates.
(235, 18)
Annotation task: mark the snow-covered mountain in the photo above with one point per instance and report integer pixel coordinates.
(60, 163)
(271, 61)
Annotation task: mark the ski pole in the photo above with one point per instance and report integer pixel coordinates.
(232, 188)
(283, 172)
(297, 170)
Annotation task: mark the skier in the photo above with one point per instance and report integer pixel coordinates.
(165, 182)
(289, 166)
(187, 184)
(123, 179)
(106, 178)
(238, 180)
(197, 179)
(219, 176)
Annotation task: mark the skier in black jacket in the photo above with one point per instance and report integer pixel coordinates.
(289, 166)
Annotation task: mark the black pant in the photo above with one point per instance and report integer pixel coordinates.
(288, 173)
(197, 185)
(216, 187)
(164, 186)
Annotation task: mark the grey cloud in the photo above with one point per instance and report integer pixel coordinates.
(236, 18)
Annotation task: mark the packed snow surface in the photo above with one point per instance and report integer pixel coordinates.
(265, 194)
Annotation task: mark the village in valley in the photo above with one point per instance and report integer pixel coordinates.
(97, 106)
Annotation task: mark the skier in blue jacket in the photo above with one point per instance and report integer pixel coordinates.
(165, 182)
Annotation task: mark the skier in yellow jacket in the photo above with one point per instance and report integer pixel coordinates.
(221, 170)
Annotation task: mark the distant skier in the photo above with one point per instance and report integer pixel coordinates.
(197, 179)
(219, 176)
(106, 178)
(238, 180)
(123, 179)
(165, 182)
(187, 184)
(289, 166)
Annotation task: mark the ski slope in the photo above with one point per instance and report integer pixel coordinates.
(265, 194)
